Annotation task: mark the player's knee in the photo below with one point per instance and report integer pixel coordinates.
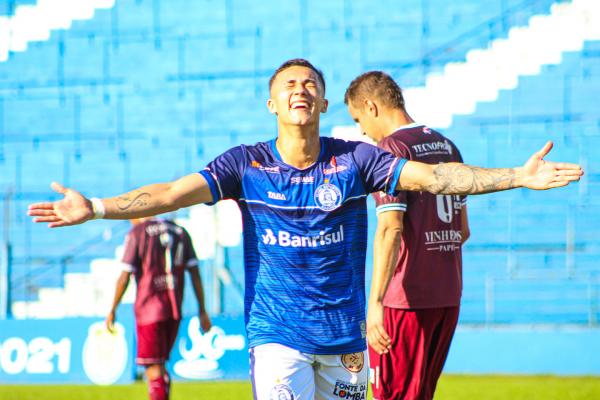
(155, 371)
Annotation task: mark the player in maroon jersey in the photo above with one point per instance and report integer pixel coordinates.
(417, 251)
(157, 252)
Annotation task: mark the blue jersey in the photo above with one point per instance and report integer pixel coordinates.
(305, 239)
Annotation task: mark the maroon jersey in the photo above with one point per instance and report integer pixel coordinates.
(429, 269)
(157, 252)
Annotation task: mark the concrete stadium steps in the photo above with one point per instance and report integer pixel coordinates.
(587, 263)
(586, 223)
(473, 301)
(136, 15)
(38, 169)
(161, 116)
(553, 264)
(152, 65)
(18, 35)
(131, 27)
(489, 227)
(28, 278)
(488, 71)
(590, 152)
(142, 94)
(59, 303)
(536, 299)
(544, 300)
(38, 243)
(28, 309)
(130, 51)
(56, 118)
(83, 295)
(480, 264)
(547, 224)
(32, 172)
(564, 93)
(85, 59)
(38, 65)
(161, 164)
(36, 240)
(6, 8)
(103, 25)
(477, 264)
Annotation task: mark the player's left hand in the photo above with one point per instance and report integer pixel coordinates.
(205, 322)
(377, 336)
(110, 322)
(540, 174)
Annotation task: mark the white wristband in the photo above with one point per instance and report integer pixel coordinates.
(98, 208)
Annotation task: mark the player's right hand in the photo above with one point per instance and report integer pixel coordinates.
(73, 209)
(110, 322)
(377, 336)
(205, 322)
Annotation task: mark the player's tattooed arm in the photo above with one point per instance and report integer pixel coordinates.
(74, 208)
(158, 198)
(133, 200)
(456, 178)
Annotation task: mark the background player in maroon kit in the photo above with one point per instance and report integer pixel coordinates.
(417, 251)
(158, 252)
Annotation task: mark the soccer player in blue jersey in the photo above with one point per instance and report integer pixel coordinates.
(303, 202)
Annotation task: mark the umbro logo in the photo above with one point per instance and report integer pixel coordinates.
(276, 196)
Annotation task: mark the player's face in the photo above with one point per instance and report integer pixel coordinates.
(367, 121)
(297, 97)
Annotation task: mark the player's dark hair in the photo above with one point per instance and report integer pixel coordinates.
(377, 85)
(297, 62)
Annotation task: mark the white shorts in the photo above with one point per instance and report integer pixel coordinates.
(282, 373)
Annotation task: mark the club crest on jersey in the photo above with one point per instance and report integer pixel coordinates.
(281, 392)
(328, 197)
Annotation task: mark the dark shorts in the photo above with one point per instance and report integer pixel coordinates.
(155, 341)
(420, 343)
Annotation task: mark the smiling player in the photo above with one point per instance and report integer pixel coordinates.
(303, 203)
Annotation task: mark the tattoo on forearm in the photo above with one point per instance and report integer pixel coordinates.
(465, 179)
(133, 200)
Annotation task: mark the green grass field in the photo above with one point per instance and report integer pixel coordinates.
(451, 387)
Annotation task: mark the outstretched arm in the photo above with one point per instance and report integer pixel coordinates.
(456, 178)
(146, 201)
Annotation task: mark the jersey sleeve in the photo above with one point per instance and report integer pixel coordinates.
(380, 170)
(387, 202)
(224, 174)
(131, 257)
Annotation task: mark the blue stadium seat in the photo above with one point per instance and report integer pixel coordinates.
(151, 90)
